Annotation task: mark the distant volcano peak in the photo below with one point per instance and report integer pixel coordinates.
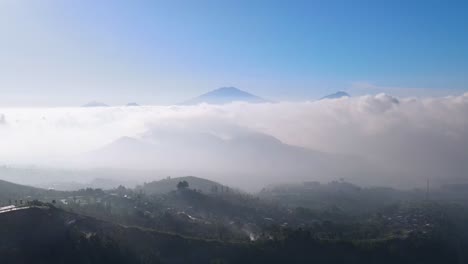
(94, 104)
(229, 89)
(225, 95)
(336, 95)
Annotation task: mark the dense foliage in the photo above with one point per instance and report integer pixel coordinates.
(311, 223)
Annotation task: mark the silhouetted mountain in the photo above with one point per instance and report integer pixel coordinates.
(13, 191)
(133, 104)
(250, 158)
(225, 95)
(94, 104)
(336, 95)
(44, 234)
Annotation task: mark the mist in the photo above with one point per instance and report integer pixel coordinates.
(369, 140)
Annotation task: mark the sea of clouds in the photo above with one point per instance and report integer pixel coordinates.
(418, 136)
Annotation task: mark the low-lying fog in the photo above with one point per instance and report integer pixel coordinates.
(368, 140)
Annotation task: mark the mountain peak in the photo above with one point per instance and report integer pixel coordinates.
(227, 90)
(336, 95)
(225, 95)
(94, 104)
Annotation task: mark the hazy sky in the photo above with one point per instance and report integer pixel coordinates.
(65, 53)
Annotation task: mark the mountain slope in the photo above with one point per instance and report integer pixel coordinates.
(50, 235)
(13, 191)
(94, 104)
(169, 184)
(225, 95)
(246, 159)
(336, 95)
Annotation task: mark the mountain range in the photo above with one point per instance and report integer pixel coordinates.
(246, 159)
(224, 95)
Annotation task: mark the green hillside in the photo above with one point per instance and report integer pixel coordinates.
(170, 184)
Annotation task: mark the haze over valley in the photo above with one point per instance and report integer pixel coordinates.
(375, 140)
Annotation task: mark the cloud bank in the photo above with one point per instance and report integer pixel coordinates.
(404, 140)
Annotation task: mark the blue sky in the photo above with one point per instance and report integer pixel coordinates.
(58, 52)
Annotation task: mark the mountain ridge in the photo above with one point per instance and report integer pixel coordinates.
(95, 104)
(339, 94)
(225, 95)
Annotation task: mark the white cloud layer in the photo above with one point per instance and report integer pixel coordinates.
(405, 139)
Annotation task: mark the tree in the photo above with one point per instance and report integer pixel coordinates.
(182, 185)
